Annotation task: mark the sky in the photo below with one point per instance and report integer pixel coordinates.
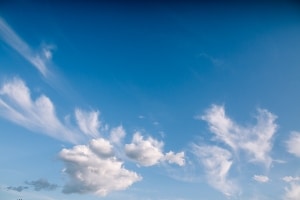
(145, 101)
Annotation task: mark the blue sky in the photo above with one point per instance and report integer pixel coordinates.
(148, 101)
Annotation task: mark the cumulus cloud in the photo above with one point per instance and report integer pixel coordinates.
(94, 169)
(88, 122)
(293, 144)
(177, 158)
(148, 152)
(18, 189)
(261, 178)
(38, 115)
(256, 140)
(8, 35)
(292, 192)
(289, 179)
(217, 163)
(41, 184)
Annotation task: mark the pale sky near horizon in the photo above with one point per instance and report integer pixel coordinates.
(147, 101)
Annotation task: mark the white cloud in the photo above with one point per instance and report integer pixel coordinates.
(94, 169)
(261, 178)
(217, 163)
(292, 192)
(88, 122)
(256, 140)
(37, 115)
(117, 134)
(8, 35)
(148, 152)
(177, 158)
(293, 144)
(289, 179)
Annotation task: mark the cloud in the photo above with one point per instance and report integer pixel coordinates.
(261, 178)
(177, 158)
(292, 192)
(117, 134)
(256, 140)
(8, 35)
(88, 122)
(148, 152)
(213, 60)
(41, 184)
(38, 115)
(217, 163)
(94, 169)
(289, 179)
(18, 189)
(293, 144)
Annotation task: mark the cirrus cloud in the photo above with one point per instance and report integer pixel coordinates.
(255, 140)
(39, 115)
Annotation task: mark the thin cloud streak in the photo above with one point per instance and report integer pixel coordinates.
(8, 35)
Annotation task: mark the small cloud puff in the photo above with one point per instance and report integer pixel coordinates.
(149, 152)
(261, 178)
(293, 144)
(289, 179)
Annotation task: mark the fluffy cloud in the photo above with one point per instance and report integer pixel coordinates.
(88, 122)
(217, 163)
(41, 184)
(292, 192)
(261, 178)
(177, 158)
(94, 169)
(256, 140)
(37, 115)
(293, 144)
(148, 152)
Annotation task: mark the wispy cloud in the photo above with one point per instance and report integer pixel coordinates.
(289, 179)
(213, 60)
(42, 184)
(37, 59)
(217, 163)
(117, 134)
(148, 152)
(256, 140)
(261, 178)
(93, 168)
(38, 115)
(292, 192)
(88, 122)
(293, 144)
(18, 189)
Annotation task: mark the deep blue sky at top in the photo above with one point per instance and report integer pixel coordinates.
(169, 59)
